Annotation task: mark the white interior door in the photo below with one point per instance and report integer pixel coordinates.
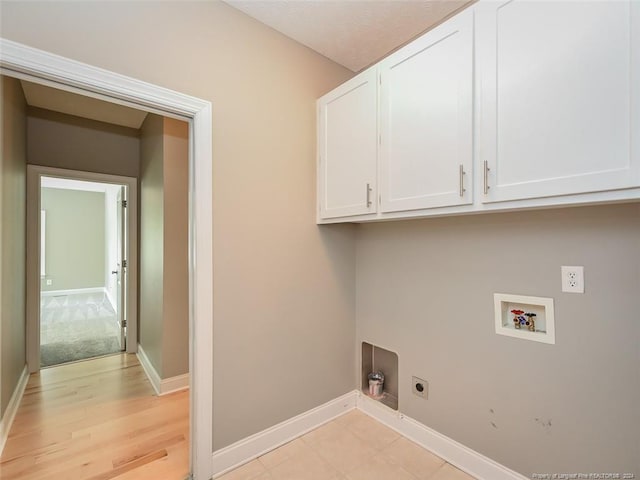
(121, 268)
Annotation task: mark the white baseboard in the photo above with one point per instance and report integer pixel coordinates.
(73, 291)
(256, 445)
(464, 458)
(111, 300)
(467, 460)
(174, 384)
(12, 408)
(160, 385)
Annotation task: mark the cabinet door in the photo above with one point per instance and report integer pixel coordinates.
(560, 99)
(426, 120)
(347, 139)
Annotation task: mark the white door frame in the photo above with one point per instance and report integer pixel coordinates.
(34, 174)
(23, 62)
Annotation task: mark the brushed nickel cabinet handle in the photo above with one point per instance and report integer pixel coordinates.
(486, 177)
(368, 195)
(462, 189)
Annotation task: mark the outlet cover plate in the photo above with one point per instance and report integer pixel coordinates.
(424, 393)
(572, 279)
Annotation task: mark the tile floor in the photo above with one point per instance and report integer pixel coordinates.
(351, 447)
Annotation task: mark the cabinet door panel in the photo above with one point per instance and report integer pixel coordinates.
(348, 148)
(426, 119)
(557, 103)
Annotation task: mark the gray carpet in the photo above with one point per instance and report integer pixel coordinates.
(76, 327)
(64, 352)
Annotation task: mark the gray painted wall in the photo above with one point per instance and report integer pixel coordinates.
(284, 288)
(164, 280)
(65, 141)
(176, 247)
(74, 239)
(425, 290)
(151, 254)
(13, 171)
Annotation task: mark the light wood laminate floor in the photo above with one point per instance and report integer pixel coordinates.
(97, 420)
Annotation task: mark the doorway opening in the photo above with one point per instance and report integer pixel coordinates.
(22, 62)
(83, 269)
(82, 287)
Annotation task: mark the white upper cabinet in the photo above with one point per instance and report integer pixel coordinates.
(426, 120)
(507, 105)
(559, 97)
(347, 148)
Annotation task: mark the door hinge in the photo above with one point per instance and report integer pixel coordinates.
(124, 263)
(124, 324)
(124, 204)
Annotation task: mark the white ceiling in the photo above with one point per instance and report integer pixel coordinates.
(353, 33)
(81, 106)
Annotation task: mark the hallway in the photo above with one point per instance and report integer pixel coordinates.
(97, 420)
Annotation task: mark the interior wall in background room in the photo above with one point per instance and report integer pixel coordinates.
(65, 141)
(425, 290)
(75, 245)
(284, 288)
(164, 289)
(13, 171)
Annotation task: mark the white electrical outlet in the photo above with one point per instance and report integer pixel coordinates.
(572, 279)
